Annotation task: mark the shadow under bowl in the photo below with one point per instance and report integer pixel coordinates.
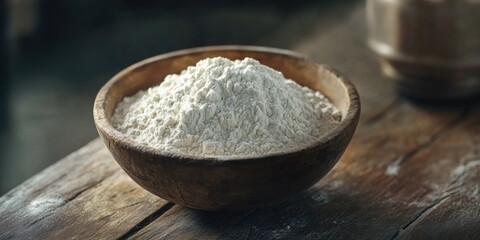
(211, 183)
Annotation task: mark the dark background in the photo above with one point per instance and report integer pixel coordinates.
(56, 54)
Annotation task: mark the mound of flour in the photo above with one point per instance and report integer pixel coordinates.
(226, 108)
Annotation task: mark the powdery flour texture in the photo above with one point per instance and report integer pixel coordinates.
(228, 108)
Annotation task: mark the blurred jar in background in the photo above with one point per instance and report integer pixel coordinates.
(430, 47)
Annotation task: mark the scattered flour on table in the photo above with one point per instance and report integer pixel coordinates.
(43, 205)
(463, 168)
(226, 108)
(394, 168)
(463, 173)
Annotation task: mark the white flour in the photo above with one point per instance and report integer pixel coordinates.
(226, 108)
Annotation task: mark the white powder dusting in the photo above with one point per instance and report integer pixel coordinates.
(335, 184)
(463, 168)
(226, 108)
(42, 205)
(394, 168)
(320, 197)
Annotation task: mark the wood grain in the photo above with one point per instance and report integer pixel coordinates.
(409, 173)
(85, 195)
(361, 198)
(213, 182)
(358, 195)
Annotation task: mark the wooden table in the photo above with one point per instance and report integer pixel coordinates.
(410, 172)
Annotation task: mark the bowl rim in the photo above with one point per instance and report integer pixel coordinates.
(104, 126)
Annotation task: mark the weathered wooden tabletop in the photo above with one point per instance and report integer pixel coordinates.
(409, 172)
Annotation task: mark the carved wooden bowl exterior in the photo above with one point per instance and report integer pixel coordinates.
(211, 183)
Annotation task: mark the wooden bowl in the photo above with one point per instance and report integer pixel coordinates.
(210, 183)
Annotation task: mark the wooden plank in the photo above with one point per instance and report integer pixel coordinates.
(408, 173)
(360, 194)
(453, 211)
(377, 188)
(55, 196)
(85, 195)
